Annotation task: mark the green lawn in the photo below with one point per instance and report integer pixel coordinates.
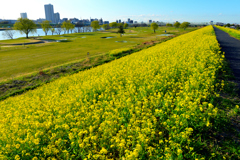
(20, 60)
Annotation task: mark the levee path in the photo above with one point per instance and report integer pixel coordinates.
(231, 47)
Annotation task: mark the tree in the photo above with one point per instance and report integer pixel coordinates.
(169, 25)
(154, 26)
(58, 29)
(24, 25)
(121, 30)
(66, 26)
(75, 30)
(46, 26)
(184, 25)
(52, 30)
(135, 25)
(79, 25)
(8, 34)
(113, 24)
(105, 26)
(227, 25)
(176, 24)
(72, 26)
(119, 24)
(125, 25)
(95, 25)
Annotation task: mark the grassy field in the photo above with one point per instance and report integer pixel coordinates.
(20, 60)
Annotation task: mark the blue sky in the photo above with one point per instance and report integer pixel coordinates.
(139, 10)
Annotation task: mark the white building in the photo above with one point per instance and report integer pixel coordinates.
(23, 15)
(49, 12)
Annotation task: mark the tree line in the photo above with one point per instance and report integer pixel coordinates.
(27, 26)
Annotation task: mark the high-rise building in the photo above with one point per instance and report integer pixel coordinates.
(101, 21)
(129, 20)
(23, 15)
(49, 12)
(57, 17)
(119, 21)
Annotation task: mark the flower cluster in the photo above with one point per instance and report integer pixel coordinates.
(117, 51)
(147, 105)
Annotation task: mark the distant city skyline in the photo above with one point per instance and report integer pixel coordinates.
(156, 10)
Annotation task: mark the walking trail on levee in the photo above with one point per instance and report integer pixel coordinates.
(231, 47)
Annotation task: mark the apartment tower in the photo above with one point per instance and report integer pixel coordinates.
(23, 15)
(57, 17)
(49, 13)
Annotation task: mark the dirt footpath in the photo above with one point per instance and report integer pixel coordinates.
(231, 47)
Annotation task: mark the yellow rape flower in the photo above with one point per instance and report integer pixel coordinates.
(103, 151)
(17, 157)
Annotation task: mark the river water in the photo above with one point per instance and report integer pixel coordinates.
(40, 32)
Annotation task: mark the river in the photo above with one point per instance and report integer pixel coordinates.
(40, 32)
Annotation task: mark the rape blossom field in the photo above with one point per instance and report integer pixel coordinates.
(148, 105)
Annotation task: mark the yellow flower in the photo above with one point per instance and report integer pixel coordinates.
(179, 151)
(17, 146)
(103, 151)
(36, 141)
(17, 157)
(237, 106)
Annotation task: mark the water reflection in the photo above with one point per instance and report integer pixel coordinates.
(40, 32)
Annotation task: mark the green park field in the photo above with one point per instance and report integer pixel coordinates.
(19, 60)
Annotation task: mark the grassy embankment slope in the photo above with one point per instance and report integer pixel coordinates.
(159, 103)
(233, 32)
